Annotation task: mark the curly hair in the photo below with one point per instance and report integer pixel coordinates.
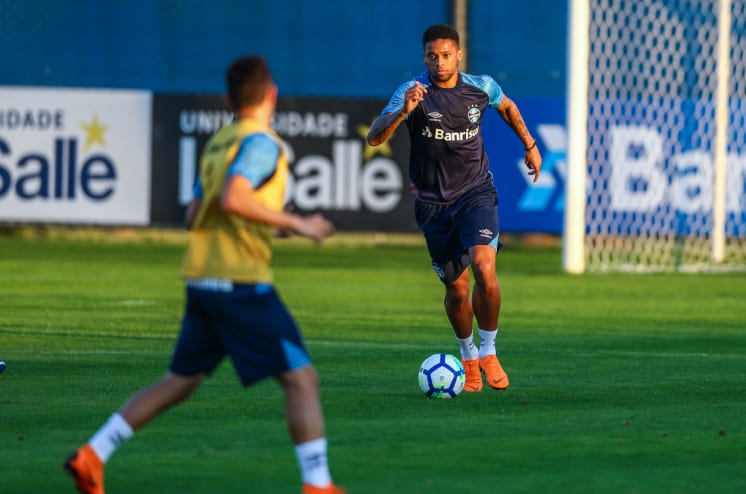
(440, 31)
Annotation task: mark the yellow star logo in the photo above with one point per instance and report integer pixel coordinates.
(95, 131)
(370, 151)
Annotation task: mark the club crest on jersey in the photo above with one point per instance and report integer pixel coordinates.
(473, 114)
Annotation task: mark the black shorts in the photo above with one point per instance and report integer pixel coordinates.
(249, 323)
(451, 229)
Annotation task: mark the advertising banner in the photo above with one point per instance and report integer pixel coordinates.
(651, 166)
(74, 156)
(525, 206)
(84, 156)
(333, 170)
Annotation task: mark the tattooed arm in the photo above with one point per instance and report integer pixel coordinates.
(385, 125)
(509, 112)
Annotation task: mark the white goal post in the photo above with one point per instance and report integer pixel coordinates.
(656, 116)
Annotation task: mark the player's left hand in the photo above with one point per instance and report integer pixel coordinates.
(533, 162)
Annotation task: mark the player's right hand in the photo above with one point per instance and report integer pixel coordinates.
(314, 226)
(413, 96)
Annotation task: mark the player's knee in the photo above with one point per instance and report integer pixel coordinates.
(301, 378)
(457, 293)
(484, 271)
(309, 377)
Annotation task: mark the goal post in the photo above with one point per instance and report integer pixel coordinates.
(721, 131)
(573, 250)
(656, 116)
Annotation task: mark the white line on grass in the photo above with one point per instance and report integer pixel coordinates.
(130, 303)
(389, 345)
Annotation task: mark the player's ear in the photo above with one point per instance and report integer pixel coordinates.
(459, 54)
(271, 95)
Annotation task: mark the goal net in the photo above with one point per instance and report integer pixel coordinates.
(657, 125)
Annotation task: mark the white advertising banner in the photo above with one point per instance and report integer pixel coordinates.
(75, 156)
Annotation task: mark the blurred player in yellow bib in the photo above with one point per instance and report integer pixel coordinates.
(232, 308)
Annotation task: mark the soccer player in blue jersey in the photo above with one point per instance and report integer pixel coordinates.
(232, 308)
(455, 197)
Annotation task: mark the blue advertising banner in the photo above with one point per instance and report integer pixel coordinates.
(651, 168)
(643, 172)
(525, 206)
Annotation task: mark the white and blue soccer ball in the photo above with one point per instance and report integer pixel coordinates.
(441, 376)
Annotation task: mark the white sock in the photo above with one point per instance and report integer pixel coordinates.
(313, 463)
(487, 343)
(468, 348)
(114, 432)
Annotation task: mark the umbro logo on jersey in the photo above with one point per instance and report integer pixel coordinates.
(486, 233)
(434, 116)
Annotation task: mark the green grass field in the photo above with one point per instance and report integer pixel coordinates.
(620, 383)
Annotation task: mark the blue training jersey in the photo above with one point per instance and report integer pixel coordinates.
(447, 156)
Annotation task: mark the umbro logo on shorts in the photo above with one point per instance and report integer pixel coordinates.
(486, 233)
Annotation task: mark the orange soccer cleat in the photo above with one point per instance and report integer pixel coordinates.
(496, 376)
(87, 469)
(330, 489)
(473, 376)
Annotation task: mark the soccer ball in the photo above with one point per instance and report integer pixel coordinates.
(441, 376)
